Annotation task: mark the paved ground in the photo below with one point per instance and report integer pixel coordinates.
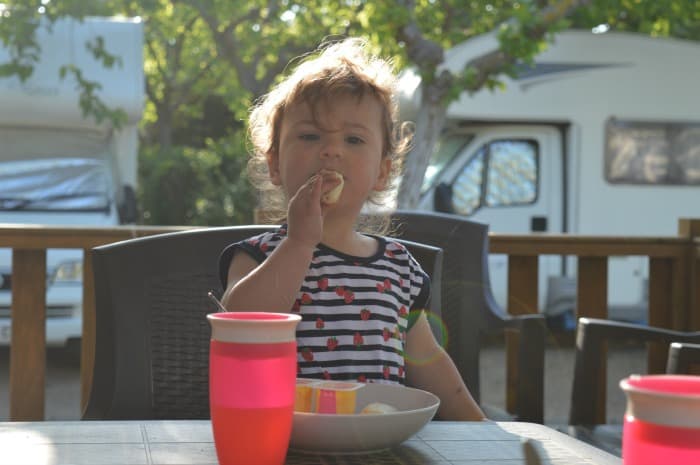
(63, 386)
(559, 371)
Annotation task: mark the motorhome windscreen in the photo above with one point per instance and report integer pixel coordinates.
(652, 152)
(447, 149)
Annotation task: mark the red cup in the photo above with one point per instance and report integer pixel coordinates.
(252, 377)
(662, 420)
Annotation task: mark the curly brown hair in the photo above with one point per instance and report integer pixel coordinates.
(343, 67)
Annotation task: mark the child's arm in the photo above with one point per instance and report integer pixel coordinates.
(430, 368)
(272, 286)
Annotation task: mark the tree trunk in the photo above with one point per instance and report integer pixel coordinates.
(429, 123)
(165, 127)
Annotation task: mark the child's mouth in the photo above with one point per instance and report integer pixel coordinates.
(333, 195)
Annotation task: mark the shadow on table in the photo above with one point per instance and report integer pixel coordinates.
(444, 444)
(607, 437)
(409, 453)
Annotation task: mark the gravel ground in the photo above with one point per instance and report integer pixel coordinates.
(63, 384)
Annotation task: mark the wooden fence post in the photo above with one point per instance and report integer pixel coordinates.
(690, 229)
(592, 301)
(522, 299)
(28, 347)
(662, 275)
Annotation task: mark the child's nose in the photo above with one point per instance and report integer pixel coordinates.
(331, 149)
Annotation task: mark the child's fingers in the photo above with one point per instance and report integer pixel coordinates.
(309, 193)
(307, 187)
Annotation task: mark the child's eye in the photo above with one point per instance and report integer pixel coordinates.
(309, 137)
(354, 140)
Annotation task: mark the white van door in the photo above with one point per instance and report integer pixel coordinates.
(507, 176)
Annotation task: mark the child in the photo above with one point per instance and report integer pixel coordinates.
(336, 114)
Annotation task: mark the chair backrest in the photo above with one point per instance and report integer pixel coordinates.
(592, 336)
(683, 358)
(152, 336)
(468, 308)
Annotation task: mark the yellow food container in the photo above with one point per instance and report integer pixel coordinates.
(303, 395)
(335, 396)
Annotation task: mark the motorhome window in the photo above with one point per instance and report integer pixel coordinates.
(43, 169)
(466, 189)
(501, 173)
(447, 149)
(512, 173)
(60, 184)
(652, 153)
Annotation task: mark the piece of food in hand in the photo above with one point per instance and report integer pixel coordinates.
(332, 196)
(378, 408)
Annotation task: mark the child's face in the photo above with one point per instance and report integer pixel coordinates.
(347, 138)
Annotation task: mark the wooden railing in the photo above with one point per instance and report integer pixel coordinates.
(28, 344)
(674, 291)
(674, 284)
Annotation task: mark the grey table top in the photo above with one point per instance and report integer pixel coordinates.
(171, 442)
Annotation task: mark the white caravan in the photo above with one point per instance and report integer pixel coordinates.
(60, 168)
(600, 137)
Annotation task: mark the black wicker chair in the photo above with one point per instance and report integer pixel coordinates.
(152, 336)
(592, 336)
(683, 357)
(470, 311)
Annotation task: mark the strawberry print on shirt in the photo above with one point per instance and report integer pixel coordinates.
(354, 309)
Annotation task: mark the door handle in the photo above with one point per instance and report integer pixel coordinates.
(538, 224)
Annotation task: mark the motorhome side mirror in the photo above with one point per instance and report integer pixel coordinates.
(443, 198)
(128, 213)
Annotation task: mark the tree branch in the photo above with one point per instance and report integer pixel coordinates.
(225, 45)
(286, 54)
(180, 42)
(498, 61)
(154, 55)
(191, 82)
(272, 7)
(356, 14)
(425, 53)
(151, 93)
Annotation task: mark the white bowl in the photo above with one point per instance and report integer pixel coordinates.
(358, 433)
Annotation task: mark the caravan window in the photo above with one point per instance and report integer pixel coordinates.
(501, 173)
(652, 153)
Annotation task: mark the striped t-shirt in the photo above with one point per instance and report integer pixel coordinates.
(355, 310)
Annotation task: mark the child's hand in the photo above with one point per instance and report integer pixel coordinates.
(304, 213)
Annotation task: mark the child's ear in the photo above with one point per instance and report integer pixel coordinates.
(384, 173)
(273, 167)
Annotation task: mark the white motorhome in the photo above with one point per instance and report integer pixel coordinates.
(600, 137)
(58, 167)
